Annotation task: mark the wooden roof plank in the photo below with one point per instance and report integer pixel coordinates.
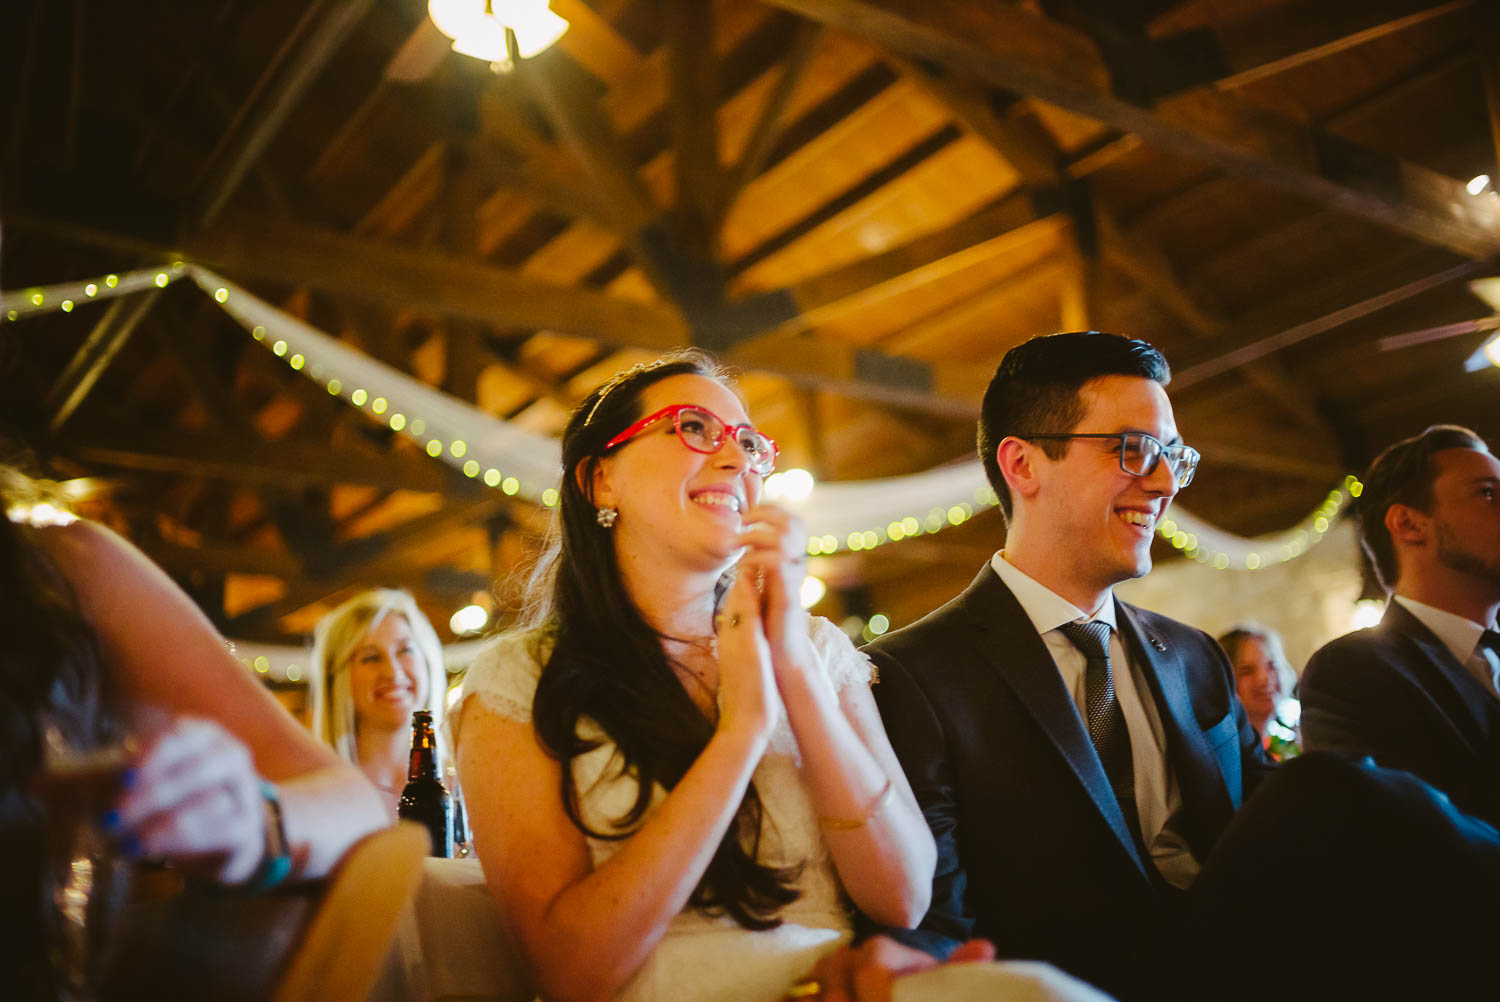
(771, 122)
(1023, 52)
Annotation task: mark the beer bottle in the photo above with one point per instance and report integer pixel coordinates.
(425, 799)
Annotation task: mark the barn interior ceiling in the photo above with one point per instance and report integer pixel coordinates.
(862, 204)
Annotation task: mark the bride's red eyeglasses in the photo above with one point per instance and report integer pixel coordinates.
(704, 431)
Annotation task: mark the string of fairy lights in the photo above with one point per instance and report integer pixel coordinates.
(410, 408)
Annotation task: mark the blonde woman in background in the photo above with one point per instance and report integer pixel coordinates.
(376, 660)
(1264, 681)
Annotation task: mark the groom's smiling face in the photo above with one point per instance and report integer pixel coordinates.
(1107, 515)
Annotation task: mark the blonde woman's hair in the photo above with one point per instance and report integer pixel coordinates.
(1275, 651)
(334, 642)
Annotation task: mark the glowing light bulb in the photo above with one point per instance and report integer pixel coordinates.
(482, 35)
(1477, 184)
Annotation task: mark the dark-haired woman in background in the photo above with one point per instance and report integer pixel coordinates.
(670, 803)
(96, 643)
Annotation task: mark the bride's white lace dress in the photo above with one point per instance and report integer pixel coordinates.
(703, 958)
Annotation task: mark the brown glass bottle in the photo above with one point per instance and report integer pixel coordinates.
(425, 800)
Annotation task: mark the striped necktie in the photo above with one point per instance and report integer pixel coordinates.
(1106, 721)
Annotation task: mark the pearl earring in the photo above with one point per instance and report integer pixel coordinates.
(606, 516)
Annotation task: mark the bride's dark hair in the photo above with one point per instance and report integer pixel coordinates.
(607, 664)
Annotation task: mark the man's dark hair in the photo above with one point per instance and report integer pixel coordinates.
(1036, 390)
(1403, 474)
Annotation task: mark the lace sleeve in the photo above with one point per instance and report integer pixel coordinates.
(841, 663)
(503, 678)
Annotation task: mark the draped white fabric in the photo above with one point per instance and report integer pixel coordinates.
(47, 298)
(429, 415)
(525, 463)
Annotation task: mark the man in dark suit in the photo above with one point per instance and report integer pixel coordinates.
(1076, 757)
(1419, 691)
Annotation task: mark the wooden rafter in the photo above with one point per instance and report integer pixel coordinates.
(770, 124)
(425, 281)
(363, 560)
(1013, 219)
(1306, 313)
(1011, 48)
(96, 353)
(585, 132)
(1284, 37)
(319, 37)
(247, 459)
(694, 104)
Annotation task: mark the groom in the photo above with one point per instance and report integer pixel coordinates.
(1076, 757)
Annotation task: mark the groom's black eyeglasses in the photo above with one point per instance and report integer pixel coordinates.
(1140, 452)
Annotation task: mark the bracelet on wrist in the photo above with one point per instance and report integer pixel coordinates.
(877, 805)
(276, 865)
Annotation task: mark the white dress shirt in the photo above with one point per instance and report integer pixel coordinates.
(1461, 637)
(1157, 796)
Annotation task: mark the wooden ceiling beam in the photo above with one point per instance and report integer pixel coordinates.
(1018, 137)
(1014, 219)
(694, 104)
(317, 39)
(252, 460)
(96, 353)
(1258, 461)
(428, 282)
(1306, 313)
(585, 132)
(961, 318)
(1149, 267)
(938, 388)
(1012, 48)
(218, 557)
(771, 123)
(1282, 37)
(361, 561)
(1487, 24)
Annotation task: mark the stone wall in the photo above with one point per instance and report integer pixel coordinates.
(1309, 599)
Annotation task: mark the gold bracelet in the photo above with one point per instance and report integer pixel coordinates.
(849, 824)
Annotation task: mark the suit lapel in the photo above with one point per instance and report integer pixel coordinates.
(1480, 715)
(1197, 769)
(1021, 658)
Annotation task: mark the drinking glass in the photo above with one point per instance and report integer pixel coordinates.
(87, 879)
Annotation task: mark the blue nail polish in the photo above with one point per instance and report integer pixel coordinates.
(110, 821)
(128, 778)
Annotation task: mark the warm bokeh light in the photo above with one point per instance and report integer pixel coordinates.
(813, 590)
(1367, 613)
(469, 620)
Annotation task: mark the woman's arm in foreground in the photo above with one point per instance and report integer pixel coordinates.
(159, 650)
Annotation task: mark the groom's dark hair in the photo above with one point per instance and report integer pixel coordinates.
(1035, 390)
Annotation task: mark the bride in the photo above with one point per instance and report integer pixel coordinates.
(678, 782)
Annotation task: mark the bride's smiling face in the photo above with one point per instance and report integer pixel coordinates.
(673, 500)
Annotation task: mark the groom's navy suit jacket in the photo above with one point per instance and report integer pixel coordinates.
(1397, 694)
(1033, 850)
